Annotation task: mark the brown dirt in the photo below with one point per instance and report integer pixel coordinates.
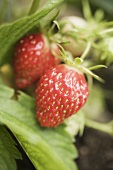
(95, 151)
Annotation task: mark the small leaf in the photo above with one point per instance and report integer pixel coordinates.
(97, 67)
(88, 72)
(87, 10)
(99, 15)
(57, 24)
(8, 151)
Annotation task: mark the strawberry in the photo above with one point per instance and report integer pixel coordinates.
(60, 93)
(33, 56)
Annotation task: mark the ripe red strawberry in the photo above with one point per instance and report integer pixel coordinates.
(32, 58)
(61, 92)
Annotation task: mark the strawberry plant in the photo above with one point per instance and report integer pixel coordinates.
(50, 81)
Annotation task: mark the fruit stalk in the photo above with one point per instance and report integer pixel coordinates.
(34, 6)
(104, 127)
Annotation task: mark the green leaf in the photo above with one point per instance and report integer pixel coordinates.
(6, 92)
(47, 148)
(95, 105)
(8, 151)
(10, 33)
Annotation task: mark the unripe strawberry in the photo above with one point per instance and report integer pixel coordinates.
(33, 56)
(60, 93)
(71, 23)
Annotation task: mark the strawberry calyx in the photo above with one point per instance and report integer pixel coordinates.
(78, 63)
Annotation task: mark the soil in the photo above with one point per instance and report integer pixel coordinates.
(95, 151)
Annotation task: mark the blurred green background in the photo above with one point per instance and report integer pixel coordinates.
(18, 8)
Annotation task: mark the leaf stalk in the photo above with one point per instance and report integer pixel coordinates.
(104, 127)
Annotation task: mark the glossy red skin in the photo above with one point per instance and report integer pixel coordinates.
(60, 93)
(32, 58)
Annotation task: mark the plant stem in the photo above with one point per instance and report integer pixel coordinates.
(2, 12)
(106, 31)
(86, 50)
(90, 82)
(34, 6)
(104, 127)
